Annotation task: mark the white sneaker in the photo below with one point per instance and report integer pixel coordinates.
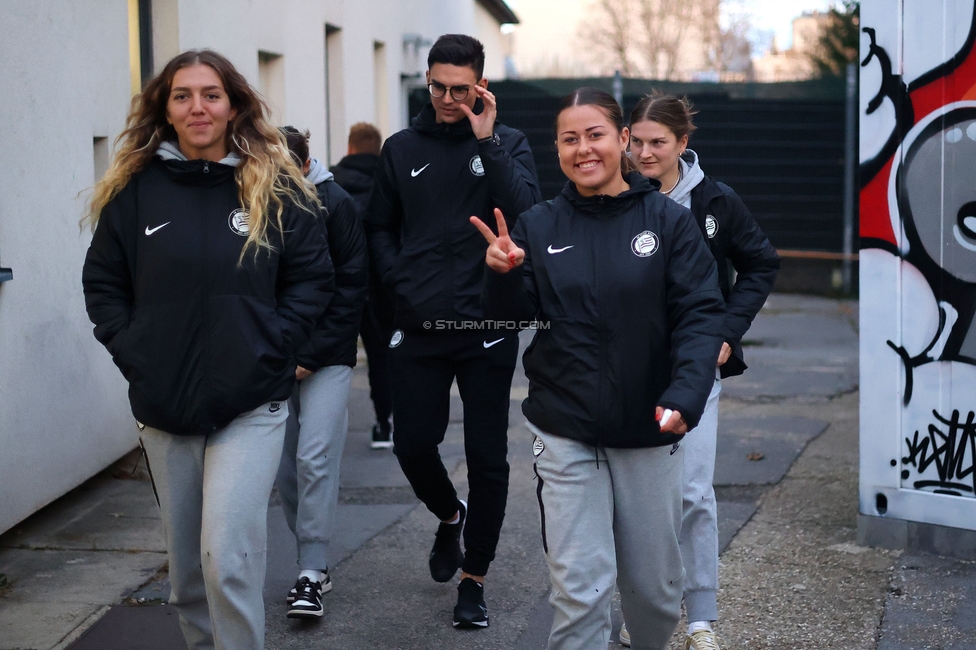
(624, 635)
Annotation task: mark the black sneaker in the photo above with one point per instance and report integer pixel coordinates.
(324, 589)
(382, 436)
(446, 556)
(470, 610)
(308, 600)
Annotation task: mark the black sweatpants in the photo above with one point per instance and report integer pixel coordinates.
(423, 366)
(376, 332)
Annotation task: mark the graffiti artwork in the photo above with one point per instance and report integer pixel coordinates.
(918, 235)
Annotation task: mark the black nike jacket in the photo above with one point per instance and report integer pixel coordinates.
(734, 237)
(431, 178)
(200, 337)
(333, 342)
(629, 310)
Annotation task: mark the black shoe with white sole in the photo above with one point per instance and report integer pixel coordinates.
(325, 588)
(308, 600)
(470, 610)
(382, 436)
(446, 556)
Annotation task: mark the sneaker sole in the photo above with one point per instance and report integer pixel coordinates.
(302, 613)
(473, 624)
(381, 445)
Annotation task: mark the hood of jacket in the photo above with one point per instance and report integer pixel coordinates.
(691, 176)
(604, 206)
(203, 173)
(355, 172)
(171, 151)
(318, 173)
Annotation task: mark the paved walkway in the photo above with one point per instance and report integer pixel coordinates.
(88, 571)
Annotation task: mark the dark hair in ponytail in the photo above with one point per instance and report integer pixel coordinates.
(668, 110)
(588, 96)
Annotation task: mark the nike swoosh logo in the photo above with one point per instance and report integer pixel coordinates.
(488, 345)
(553, 251)
(416, 172)
(150, 231)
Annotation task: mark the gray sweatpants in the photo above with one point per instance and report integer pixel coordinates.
(699, 519)
(308, 476)
(213, 495)
(606, 511)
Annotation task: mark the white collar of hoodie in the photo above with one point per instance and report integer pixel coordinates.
(318, 173)
(691, 176)
(170, 151)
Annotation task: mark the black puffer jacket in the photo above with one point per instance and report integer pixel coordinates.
(734, 237)
(333, 343)
(431, 178)
(199, 337)
(630, 310)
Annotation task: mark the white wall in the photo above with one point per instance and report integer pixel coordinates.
(63, 412)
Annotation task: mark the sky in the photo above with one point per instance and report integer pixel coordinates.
(773, 15)
(541, 19)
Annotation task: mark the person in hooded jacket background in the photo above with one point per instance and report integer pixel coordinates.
(207, 270)
(626, 297)
(318, 415)
(354, 173)
(660, 126)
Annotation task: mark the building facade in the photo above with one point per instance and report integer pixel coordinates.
(69, 71)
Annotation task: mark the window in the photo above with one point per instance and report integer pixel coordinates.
(271, 83)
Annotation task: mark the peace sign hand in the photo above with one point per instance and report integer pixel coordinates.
(503, 255)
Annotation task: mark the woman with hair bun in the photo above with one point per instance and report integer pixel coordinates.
(628, 302)
(660, 126)
(207, 268)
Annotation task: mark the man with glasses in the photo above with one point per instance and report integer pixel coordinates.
(453, 162)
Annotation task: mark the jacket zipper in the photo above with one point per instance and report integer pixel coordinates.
(601, 350)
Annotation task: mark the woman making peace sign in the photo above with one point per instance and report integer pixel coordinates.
(620, 369)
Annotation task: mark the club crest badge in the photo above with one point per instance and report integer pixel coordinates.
(645, 244)
(238, 222)
(711, 226)
(397, 338)
(477, 167)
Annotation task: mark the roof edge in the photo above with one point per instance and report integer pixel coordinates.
(500, 11)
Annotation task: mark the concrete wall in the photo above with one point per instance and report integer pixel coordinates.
(63, 412)
(66, 78)
(918, 264)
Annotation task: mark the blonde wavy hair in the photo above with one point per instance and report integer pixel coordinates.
(266, 175)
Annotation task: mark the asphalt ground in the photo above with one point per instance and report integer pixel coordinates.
(88, 572)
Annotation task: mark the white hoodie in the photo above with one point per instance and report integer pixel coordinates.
(691, 176)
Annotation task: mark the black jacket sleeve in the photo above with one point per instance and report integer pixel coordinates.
(512, 296)
(383, 219)
(696, 310)
(513, 183)
(306, 276)
(107, 277)
(334, 340)
(756, 264)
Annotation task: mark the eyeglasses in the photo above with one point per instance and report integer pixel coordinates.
(438, 90)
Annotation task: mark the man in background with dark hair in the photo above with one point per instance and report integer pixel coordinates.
(354, 173)
(453, 162)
